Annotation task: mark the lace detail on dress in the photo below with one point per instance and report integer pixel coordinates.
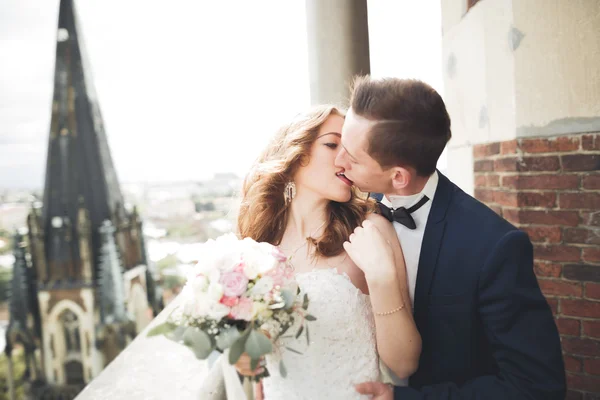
(342, 350)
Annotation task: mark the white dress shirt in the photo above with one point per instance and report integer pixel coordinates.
(412, 239)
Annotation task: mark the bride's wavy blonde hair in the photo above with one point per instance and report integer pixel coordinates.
(263, 213)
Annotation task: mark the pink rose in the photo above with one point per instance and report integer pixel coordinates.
(234, 284)
(230, 301)
(239, 267)
(243, 310)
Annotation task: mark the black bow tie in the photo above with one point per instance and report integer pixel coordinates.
(402, 214)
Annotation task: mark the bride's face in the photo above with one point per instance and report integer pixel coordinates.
(320, 174)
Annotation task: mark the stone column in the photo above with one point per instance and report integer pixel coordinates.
(338, 47)
(523, 91)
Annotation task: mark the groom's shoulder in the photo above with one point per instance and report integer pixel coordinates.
(474, 216)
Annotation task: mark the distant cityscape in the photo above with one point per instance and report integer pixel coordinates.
(177, 218)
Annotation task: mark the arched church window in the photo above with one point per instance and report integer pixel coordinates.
(74, 373)
(70, 324)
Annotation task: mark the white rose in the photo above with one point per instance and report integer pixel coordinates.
(195, 306)
(229, 252)
(214, 276)
(227, 239)
(248, 242)
(263, 286)
(250, 270)
(199, 284)
(215, 292)
(267, 260)
(217, 311)
(220, 254)
(204, 267)
(187, 300)
(259, 257)
(268, 263)
(229, 261)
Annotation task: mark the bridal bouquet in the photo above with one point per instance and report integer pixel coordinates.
(239, 298)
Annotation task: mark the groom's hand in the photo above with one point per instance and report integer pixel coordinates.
(379, 391)
(371, 252)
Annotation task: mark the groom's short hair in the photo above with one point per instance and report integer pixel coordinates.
(411, 125)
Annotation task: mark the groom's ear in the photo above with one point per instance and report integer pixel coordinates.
(401, 178)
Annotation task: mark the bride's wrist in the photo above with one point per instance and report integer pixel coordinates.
(382, 278)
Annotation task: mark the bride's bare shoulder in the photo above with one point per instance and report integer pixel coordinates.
(376, 218)
(382, 224)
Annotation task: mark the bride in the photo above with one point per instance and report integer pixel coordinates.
(295, 198)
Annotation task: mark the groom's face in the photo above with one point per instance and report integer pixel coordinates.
(358, 165)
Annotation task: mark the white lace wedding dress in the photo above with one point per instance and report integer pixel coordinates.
(342, 350)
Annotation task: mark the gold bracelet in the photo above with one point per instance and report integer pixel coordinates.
(390, 312)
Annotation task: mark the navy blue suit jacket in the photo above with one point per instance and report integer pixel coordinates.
(487, 330)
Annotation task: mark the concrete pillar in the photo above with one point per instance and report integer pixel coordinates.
(338, 47)
(518, 69)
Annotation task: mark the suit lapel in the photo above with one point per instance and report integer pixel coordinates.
(432, 241)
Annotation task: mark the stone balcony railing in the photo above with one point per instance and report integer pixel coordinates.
(150, 369)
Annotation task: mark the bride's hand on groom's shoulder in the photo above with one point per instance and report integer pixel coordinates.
(379, 390)
(371, 251)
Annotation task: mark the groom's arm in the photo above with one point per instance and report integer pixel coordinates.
(520, 329)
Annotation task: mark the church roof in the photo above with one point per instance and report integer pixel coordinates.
(80, 170)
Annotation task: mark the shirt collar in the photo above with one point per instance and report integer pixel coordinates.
(408, 201)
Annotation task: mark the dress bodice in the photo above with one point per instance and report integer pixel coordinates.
(342, 347)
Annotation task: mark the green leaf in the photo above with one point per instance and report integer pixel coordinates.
(309, 317)
(237, 348)
(305, 302)
(307, 336)
(288, 298)
(162, 329)
(293, 350)
(226, 338)
(258, 345)
(198, 341)
(299, 331)
(284, 330)
(282, 370)
(254, 363)
(177, 334)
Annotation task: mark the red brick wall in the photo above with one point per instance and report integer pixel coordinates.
(550, 188)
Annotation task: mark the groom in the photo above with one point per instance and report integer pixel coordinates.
(487, 331)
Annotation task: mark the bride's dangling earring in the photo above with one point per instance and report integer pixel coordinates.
(289, 192)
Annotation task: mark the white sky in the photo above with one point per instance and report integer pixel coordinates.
(186, 88)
